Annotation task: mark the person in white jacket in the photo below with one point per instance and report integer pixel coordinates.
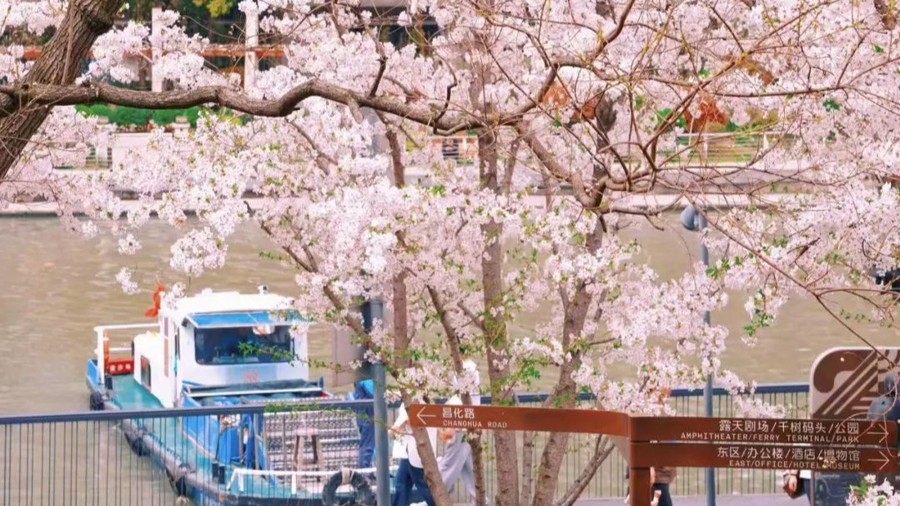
(456, 462)
(409, 472)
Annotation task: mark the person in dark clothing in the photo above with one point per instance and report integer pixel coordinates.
(662, 477)
(365, 421)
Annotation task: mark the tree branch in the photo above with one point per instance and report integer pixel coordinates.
(602, 448)
(21, 96)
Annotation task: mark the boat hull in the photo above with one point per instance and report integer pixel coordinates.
(196, 483)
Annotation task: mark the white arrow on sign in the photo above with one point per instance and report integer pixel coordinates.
(883, 432)
(885, 459)
(420, 416)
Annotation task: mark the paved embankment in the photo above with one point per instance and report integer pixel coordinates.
(722, 500)
(632, 202)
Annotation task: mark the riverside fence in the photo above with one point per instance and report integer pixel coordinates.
(152, 457)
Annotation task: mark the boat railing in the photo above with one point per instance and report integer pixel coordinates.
(102, 332)
(238, 475)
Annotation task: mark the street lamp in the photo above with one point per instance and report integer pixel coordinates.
(696, 222)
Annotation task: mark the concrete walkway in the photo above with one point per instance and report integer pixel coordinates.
(722, 500)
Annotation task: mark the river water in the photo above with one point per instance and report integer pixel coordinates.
(57, 286)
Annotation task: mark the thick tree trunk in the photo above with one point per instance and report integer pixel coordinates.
(566, 392)
(59, 63)
(474, 437)
(402, 336)
(495, 332)
(475, 442)
(527, 467)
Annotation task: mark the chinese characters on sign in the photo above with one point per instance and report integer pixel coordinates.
(766, 457)
(461, 417)
(516, 418)
(735, 430)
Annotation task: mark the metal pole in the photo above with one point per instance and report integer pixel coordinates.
(376, 311)
(382, 461)
(251, 61)
(708, 389)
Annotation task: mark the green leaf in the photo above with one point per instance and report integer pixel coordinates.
(638, 102)
(831, 105)
(705, 74)
(878, 49)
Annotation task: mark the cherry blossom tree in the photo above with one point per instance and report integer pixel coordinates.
(576, 110)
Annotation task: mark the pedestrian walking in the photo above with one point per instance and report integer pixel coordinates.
(410, 474)
(365, 418)
(798, 483)
(661, 477)
(456, 462)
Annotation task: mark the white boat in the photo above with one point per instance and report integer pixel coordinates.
(229, 350)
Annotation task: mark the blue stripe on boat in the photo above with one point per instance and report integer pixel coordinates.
(244, 319)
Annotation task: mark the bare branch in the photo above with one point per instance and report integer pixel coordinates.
(17, 97)
(602, 448)
(552, 165)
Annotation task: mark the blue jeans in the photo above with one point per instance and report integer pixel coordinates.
(406, 478)
(366, 443)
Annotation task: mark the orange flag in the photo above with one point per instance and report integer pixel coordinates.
(153, 312)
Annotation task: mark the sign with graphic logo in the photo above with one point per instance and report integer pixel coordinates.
(853, 384)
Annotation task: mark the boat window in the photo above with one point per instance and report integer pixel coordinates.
(243, 345)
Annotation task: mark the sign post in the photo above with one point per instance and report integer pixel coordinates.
(825, 445)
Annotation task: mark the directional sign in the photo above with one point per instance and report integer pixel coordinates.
(744, 456)
(748, 430)
(515, 418)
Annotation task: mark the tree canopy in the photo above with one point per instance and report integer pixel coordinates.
(582, 113)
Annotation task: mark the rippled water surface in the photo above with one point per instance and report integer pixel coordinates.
(57, 286)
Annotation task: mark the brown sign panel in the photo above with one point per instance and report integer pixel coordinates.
(516, 418)
(743, 456)
(769, 431)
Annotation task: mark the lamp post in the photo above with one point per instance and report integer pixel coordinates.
(374, 310)
(696, 222)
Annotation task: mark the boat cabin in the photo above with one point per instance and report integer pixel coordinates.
(218, 343)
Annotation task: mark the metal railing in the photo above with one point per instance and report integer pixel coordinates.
(711, 149)
(152, 457)
(610, 481)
